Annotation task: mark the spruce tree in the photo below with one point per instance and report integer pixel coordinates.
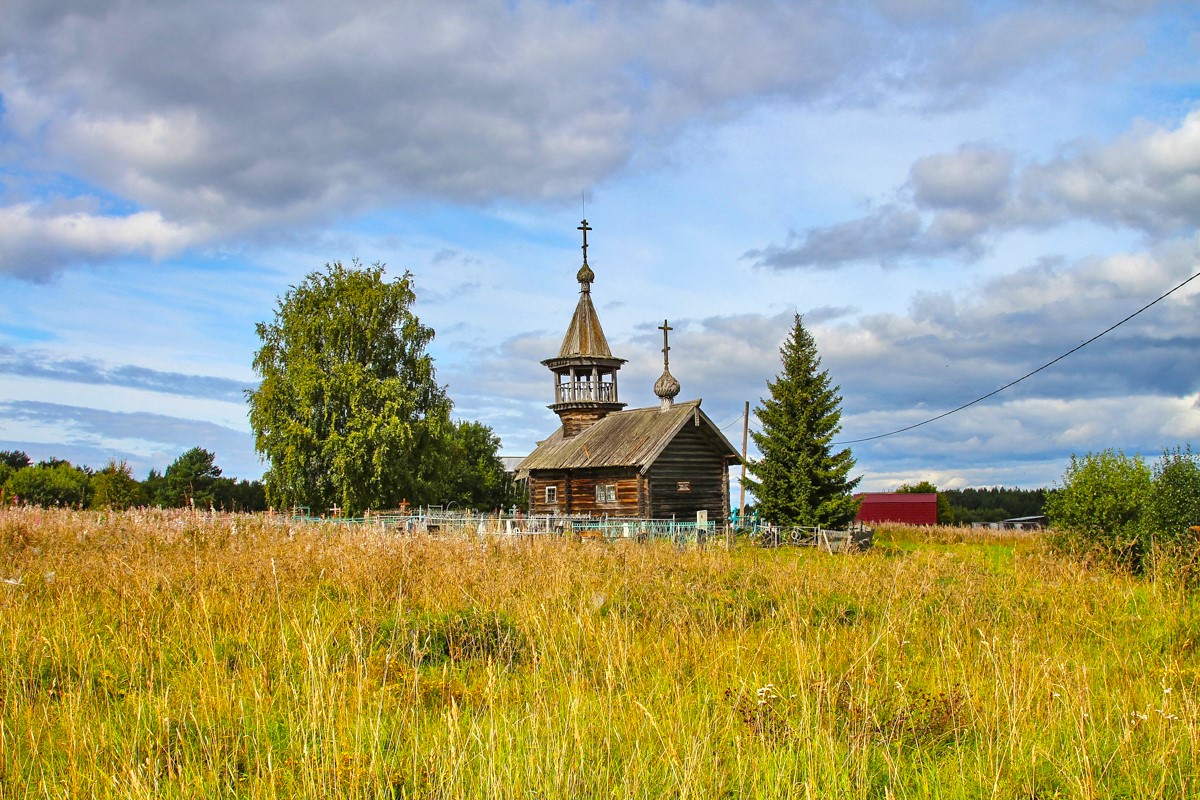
(798, 480)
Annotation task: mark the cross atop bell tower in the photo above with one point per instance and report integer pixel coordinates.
(583, 226)
(585, 276)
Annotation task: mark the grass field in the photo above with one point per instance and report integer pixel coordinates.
(160, 654)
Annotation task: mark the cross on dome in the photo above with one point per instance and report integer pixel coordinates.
(585, 276)
(666, 387)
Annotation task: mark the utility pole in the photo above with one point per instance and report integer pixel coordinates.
(742, 482)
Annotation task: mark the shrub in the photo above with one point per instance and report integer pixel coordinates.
(50, 485)
(1174, 502)
(1099, 508)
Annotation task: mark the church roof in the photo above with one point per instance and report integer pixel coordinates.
(633, 438)
(584, 335)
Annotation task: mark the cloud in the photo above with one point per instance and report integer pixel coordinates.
(888, 234)
(210, 126)
(954, 203)
(34, 243)
(89, 436)
(1149, 179)
(948, 350)
(972, 179)
(40, 364)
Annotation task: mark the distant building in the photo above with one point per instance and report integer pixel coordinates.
(1034, 523)
(904, 508)
(663, 461)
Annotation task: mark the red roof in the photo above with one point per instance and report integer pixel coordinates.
(906, 507)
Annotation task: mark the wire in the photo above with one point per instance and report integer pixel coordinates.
(1026, 375)
(736, 419)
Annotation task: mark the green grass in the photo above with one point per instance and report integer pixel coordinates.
(169, 655)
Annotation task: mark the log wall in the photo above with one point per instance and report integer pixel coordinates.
(689, 458)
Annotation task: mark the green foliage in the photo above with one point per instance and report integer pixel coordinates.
(114, 487)
(154, 489)
(1174, 502)
(945, 515)
(53, 461)
(233, 495)
(14, 459)
(472, 475)
(798, 480)
(348, 412)
(59, 484)
(1099, 507)
(189, 480)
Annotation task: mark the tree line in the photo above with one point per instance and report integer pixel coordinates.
(191, 480)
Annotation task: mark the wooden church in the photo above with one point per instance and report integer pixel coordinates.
(666, 461)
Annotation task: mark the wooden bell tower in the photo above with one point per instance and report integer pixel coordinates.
(585, 371)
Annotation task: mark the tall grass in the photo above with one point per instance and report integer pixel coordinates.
(173, 655)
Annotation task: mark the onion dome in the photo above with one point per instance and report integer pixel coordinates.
(666, 387)
(585, 276)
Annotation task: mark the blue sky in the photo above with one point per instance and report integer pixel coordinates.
(952, 194)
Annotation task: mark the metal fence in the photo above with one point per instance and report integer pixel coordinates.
(457, 523)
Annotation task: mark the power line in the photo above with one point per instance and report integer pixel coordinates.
(732, 422)
(1027, 375)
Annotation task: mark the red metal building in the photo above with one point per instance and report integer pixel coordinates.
(909, 509)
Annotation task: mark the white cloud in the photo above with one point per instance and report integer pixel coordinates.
(35, 244)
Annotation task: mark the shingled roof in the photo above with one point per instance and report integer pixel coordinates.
(584, 335)
(633, 438)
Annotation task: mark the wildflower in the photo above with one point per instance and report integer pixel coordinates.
(766, 694)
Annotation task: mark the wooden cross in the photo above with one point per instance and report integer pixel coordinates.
(585, 228)
(666, 347)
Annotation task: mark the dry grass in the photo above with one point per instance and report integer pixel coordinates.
(162, 654)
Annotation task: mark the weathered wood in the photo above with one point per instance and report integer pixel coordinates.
(690, 458)
(577, 492)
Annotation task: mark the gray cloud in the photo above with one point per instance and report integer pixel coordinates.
(1147, 180)
(971, 179)
(214, 122)
(39, 364)
(888, 235)
(949, 350)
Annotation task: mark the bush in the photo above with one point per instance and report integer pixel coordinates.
(1174, 502)
(48, 485)
(1098, 510)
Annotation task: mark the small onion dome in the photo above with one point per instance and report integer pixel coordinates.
(585, 275)
(666, 387)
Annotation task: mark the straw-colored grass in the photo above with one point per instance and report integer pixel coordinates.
(156, 654)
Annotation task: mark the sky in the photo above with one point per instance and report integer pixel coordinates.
(951, 194)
